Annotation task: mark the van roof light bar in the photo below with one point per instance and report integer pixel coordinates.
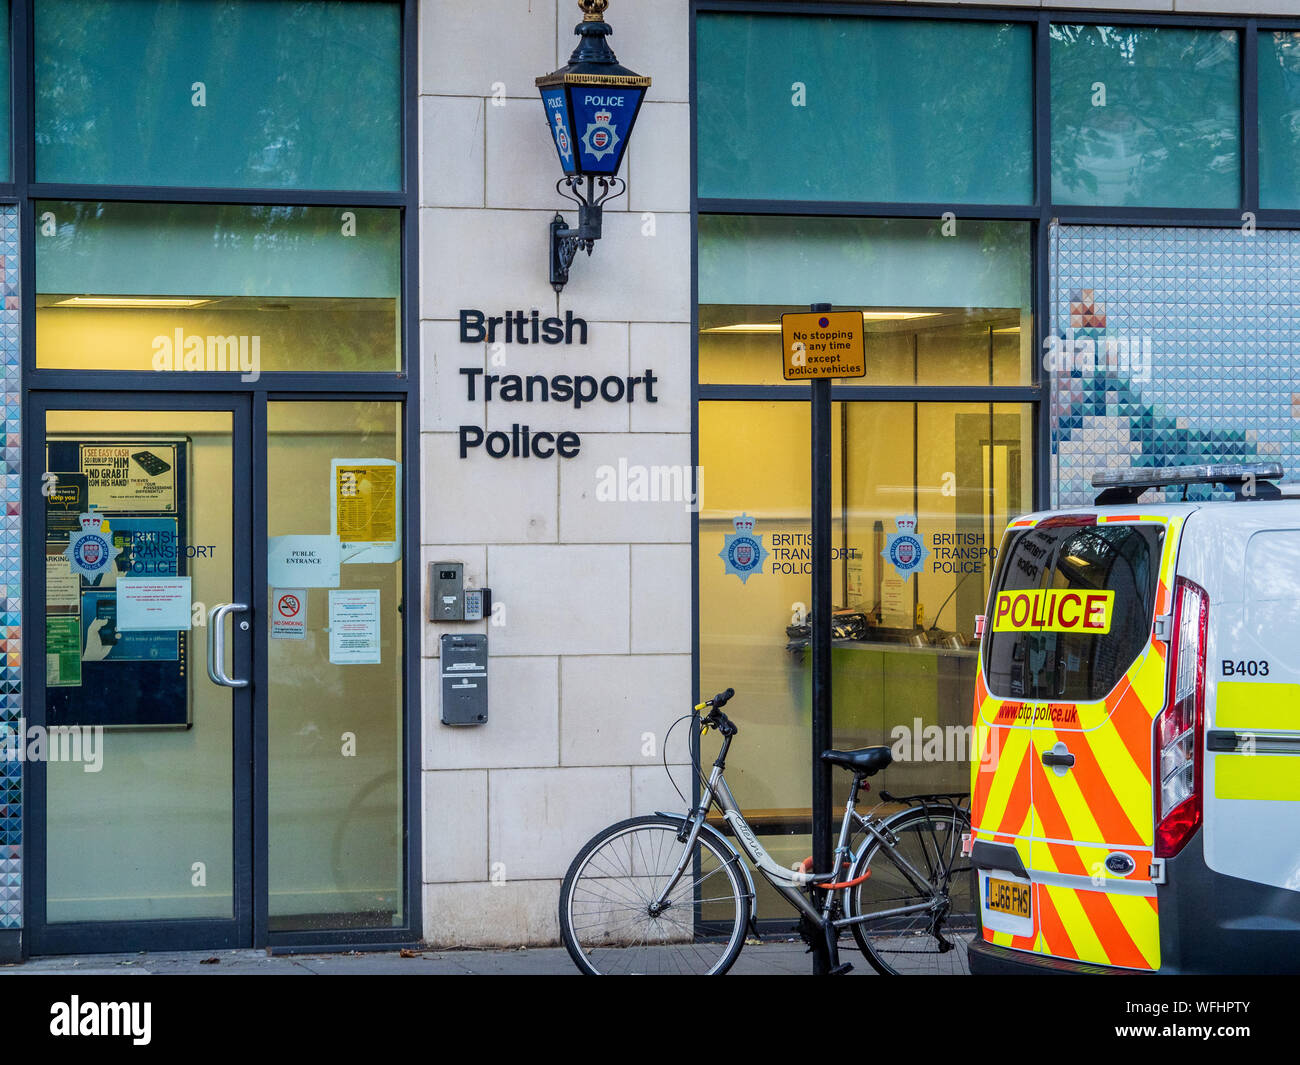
(1248, 480)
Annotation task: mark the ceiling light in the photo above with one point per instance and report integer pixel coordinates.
(775, 327)
(138, 302)
(745, 327)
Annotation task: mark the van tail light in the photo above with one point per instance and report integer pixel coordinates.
(1180, 745)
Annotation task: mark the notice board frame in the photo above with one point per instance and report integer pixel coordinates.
(138, 695)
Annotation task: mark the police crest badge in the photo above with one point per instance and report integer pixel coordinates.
(742, 551)
(601, 137)
(905, 550)
(561, 134)
(91, 551)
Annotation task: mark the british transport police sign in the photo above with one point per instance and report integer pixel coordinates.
(823, 345)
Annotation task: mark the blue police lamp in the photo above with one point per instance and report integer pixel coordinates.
(591, 106)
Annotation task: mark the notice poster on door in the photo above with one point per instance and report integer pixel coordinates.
(309, 561)
(354, 627)
(139, 478)
(63, 652)
(62, 586)
(133, 668)
(104, 641)
(366, 512)
(65, 501)
(289, 614)
(153, 604)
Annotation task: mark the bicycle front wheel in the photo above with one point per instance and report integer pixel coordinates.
(929, 940)
(612, 922)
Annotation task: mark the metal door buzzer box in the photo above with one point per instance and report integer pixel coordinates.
(464, 679)
(446, 591)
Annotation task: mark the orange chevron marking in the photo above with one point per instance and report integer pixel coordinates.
(1053, 930)
(1115, 940)
(1067, 859)
(1133, 723)
(1018, 801)
(1103, 803)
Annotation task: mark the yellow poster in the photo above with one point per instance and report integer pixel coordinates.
(365, 500)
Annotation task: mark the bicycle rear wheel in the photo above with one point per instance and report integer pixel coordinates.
(931, 941)
(607, 919)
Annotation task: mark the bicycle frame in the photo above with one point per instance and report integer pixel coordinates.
(789, 881)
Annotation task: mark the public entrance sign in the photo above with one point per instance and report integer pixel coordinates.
(829, 344)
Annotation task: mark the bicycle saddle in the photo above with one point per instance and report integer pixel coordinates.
(865, 761)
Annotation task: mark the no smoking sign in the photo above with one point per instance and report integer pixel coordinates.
(289, 614)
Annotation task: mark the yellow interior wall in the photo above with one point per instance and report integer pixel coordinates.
(755, 460)
(295, 334)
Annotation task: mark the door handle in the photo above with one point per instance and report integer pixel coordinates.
(217, 645)
(1058, 757)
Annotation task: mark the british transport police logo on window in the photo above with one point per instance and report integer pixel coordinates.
(742, 551)
(91, 552)
(904, 550)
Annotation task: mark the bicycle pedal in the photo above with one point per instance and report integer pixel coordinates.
(843, 969)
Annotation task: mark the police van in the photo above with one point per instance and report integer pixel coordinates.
(1135, 780)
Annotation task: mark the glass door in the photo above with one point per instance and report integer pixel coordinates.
(139, 549)
(222, 736)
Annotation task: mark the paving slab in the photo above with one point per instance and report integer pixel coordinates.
(770, 958)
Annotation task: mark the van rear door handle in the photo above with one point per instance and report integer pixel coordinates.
(1058, 758)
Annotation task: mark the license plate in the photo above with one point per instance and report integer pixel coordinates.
(1007, 896)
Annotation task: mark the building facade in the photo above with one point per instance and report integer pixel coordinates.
(285, 377)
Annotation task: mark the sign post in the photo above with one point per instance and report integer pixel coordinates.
(820, 346)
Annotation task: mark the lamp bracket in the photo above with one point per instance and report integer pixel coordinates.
(566, 242)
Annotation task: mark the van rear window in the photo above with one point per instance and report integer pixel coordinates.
(1070, 610)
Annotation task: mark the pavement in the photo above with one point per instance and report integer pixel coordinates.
(770, 958)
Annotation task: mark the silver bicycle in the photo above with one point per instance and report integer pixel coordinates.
(668, 893)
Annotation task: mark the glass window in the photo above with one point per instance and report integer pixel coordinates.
(1145, 117)
(939, 309)
(219, 93)
(335, 825)
(171, 287)
(904, 651)
(800, 108)
(1279, 119)
(1057, 582)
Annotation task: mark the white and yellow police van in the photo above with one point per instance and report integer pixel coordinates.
(1135, 784)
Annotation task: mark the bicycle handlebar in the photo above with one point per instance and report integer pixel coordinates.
(716, 718)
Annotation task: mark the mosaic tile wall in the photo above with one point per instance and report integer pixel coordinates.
(11, 796)
(1175, 346)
